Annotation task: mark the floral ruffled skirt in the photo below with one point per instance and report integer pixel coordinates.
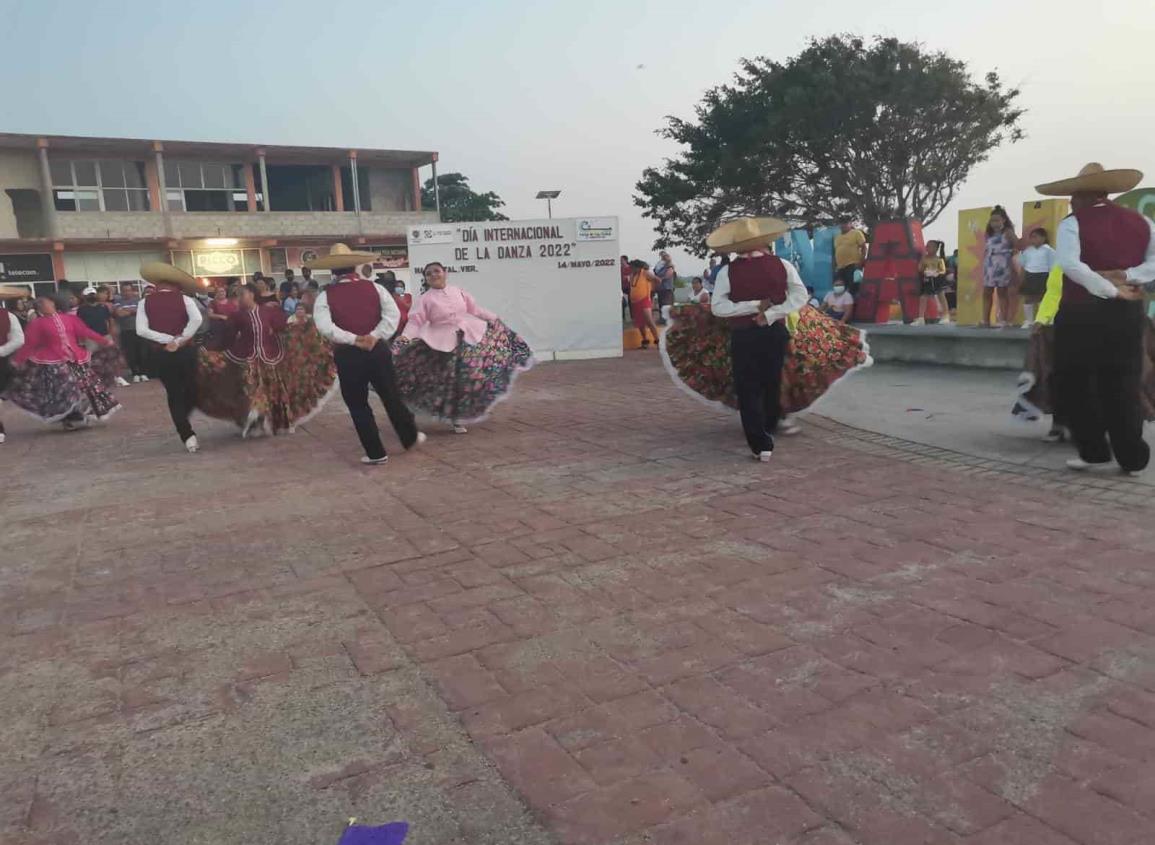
(696, 351)
(107, 363)
(462, 385)
(51, 392)
(272, 397)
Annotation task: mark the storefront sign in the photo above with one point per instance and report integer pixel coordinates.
(29, 269)
(224, 262)
(556, 282)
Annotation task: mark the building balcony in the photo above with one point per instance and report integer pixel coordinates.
(276, 225)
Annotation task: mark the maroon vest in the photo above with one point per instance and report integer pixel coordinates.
(755, 279)
(5, 324)
(166, 311)
(1110, 238)
(354, 305)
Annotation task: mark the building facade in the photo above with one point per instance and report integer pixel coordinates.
(94, 209)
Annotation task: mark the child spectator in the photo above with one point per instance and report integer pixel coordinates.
(839, 303)
(932, 282)
(1036, 260)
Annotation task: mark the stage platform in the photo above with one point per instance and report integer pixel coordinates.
(950, 345)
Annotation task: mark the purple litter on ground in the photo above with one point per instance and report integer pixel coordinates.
(387, 834)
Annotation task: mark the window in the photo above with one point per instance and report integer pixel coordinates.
(106, 185)
(205, 186)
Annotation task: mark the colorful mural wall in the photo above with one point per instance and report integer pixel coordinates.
(814, 258)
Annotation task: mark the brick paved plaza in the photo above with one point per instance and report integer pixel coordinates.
(591, 620)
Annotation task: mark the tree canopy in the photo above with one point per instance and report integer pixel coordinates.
(874, 130)
(459, 202)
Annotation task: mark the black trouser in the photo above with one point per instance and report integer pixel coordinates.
(132, 348)
(846, 276)
(357, 370)
(757, 354)
(178, 373)
(1098, 371)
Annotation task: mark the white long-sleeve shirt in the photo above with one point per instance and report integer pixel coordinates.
(722, 306)
(1068, 251)
(194, 323)
(15, 336)
(385, 329)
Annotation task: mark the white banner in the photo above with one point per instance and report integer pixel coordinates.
(555, 282)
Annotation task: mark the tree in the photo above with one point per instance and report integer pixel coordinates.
(459, 203)
(873, 131)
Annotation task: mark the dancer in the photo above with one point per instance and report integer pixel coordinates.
(759, 366)
(460, 359)
(169, 317)
(11, 339)
(53, 380)
(1037, 381)
(641, 291)
(1105, 251)
(359, 317)
(273, 374)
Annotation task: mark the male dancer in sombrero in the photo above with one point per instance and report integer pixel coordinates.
(169, 319)
(1106, 252)
(756, 292)
(359, 317)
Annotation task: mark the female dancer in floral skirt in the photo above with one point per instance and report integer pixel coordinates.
(456, 360)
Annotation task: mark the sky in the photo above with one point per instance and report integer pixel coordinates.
(523, 96)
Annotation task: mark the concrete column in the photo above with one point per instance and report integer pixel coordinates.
(356, 191)
(416, 189)
(264, 179)
(48, 203)
(338, 194)
(436, 188)
(162, 185)
(250, 188)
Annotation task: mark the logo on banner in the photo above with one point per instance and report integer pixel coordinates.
(431, 235)
(596, 229)
(223, 263)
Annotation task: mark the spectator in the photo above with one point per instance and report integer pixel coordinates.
(23, 310)
(951, 292)
(839, 303)
(642, 283)
(131, 346)
(666, 274)
(265, 293)
(300, 315)
(932, 282)
(288, 276)
(307, 278)
(698, 293)
(1036, 260)
(98, 316)
(624, 268)
(712, 272)
(998, 267)
(849, 254)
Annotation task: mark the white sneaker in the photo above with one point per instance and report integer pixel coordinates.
(144, 378)
(788, 429)
(192, 445)
(1026, 324)
(136, 379)
(3, 437)
(375, 462)
(944, 321)
(120, 382)
(1130, 473)
(421, 438)
(1079, 465)
(763, 457)
(460, 429)
(919, 322)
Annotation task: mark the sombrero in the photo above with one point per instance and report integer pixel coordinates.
(341, 256)
(1093, 179)
(160, 273)
(746, 233)
(9, 292)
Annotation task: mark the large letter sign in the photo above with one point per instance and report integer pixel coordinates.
(891, 272)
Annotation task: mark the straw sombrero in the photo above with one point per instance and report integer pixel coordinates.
(746, 233)
(9, 292)
(161, 273)
(1093, 179)
(341, 256)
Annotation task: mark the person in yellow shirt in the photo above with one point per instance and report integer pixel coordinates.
(932, 282)
(849, 254)
(642, 284)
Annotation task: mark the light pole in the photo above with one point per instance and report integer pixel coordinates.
(549, 197)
